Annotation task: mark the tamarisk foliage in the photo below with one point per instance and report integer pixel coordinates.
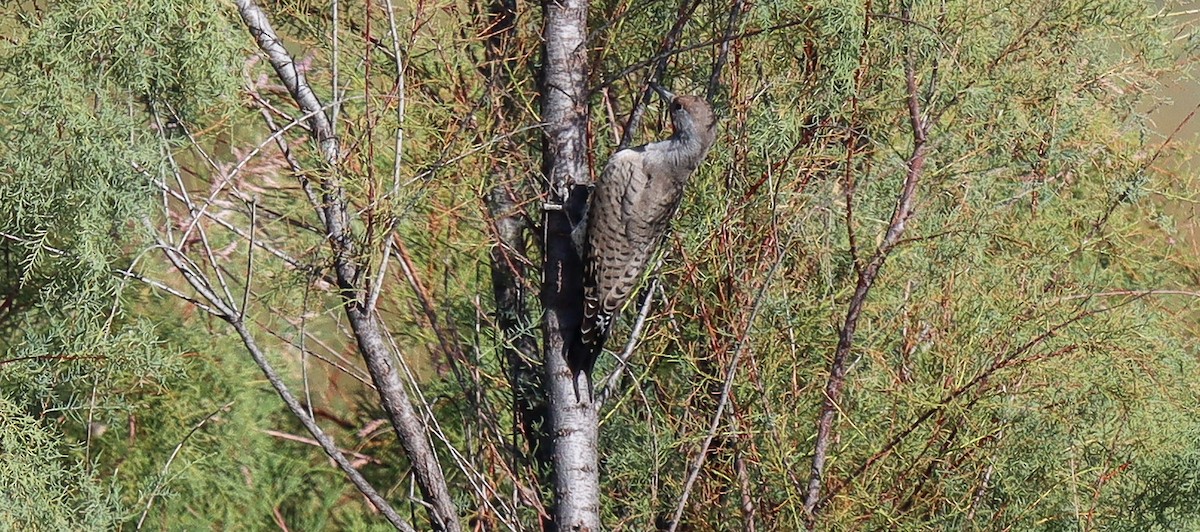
(284, 265)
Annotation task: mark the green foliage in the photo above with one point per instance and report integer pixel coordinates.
(1008, 371)
(197, 450)
(75, 145)
(93, 398)
(1030, 220)
(39, 489)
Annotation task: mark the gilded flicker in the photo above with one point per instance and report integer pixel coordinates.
(631, 206)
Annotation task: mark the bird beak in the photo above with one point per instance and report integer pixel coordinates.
(666, 94)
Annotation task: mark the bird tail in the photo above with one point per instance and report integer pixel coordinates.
(593, 332)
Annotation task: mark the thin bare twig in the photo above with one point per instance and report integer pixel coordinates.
(1116, 202)
(673, 52)
(609, 383)
(285, 149)
(1132, 293)
(400, 97)
(478, 481)
(244, 234)
(223, 311)
(174, 453)
(362, 458)
(714, 79)
(369, 332)
(1007, 360)
(726, 391)
(326, 442)
(686, 9)
(249, 262)
(165, 288)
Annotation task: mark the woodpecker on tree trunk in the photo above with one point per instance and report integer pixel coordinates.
(631, 207)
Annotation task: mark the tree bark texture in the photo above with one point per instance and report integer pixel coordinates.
(573, 416)
(509, 257)
(368, 330)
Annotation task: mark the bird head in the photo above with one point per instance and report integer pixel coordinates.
(691, 116)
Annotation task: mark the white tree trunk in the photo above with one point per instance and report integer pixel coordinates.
(573, 416)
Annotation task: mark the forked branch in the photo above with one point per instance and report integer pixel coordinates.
(368, 330)
(866, 278)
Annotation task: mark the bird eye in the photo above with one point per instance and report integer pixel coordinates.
(675, 106)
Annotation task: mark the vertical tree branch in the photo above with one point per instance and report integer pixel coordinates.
(512, 313)
(573, 417)
(368, 330)
(866, 278)
(748, 499)
(508, 255)
(714, 79)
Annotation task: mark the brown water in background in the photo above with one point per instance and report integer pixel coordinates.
(1174, 110)
(1181, 94)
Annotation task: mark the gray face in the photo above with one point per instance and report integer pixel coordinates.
(692, 116)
